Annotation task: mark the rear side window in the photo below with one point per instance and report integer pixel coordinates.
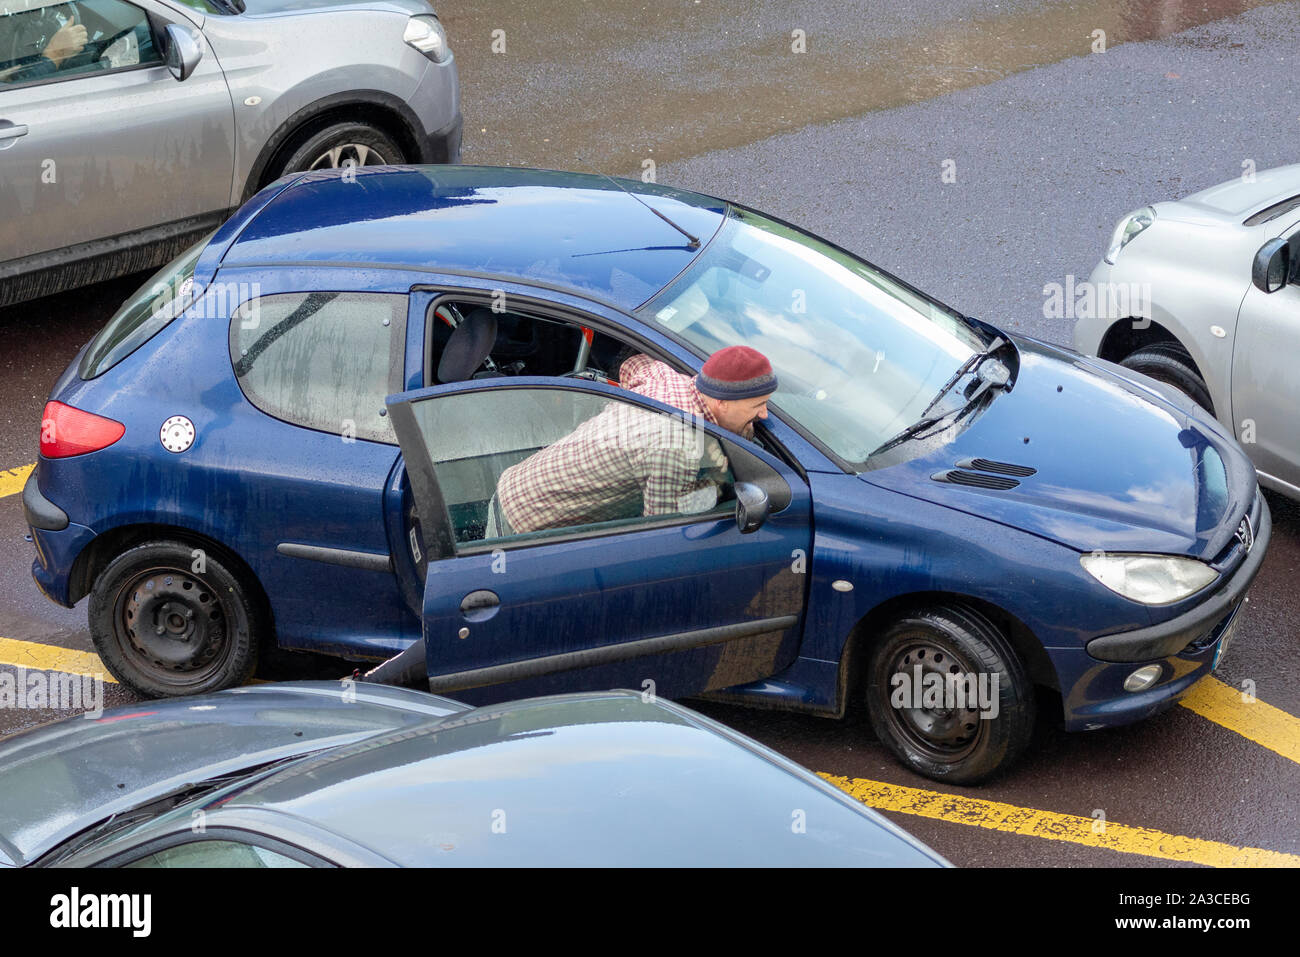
(161, 299)
(322, 360)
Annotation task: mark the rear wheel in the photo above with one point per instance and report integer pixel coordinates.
(168, 619)
(947, 694)
(1170, 364)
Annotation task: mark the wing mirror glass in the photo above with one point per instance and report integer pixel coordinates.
(1273, 265)
(183, 51)
(752, 507)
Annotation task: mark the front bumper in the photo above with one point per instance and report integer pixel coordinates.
(1187, 647)
(443, 146)
(1171, 637)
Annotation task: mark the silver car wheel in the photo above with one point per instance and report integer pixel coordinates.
(348, 154)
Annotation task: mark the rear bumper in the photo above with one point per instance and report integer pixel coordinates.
(58, 543)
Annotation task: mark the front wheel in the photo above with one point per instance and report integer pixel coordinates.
(1170, 365)
(168, 619)
(340, 145)
(947, 694)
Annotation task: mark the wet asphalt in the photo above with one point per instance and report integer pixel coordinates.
(1050, 143)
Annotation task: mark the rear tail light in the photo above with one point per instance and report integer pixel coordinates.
(66, 431)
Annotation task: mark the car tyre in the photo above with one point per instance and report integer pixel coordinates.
(168, 619)
(955, 745)
(335, 145)
(1171, 364)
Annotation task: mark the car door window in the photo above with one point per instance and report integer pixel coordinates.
(510, 343)
(323, 360)
(518, 464)
(41, 40)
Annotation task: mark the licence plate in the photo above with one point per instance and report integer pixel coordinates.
(1226, 637)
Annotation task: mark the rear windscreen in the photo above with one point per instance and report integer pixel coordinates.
(161, 299)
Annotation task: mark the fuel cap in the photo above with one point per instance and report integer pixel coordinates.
(177, 434)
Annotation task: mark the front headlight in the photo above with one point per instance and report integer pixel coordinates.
(1150, 579)
(426, 34)
(1129, 227)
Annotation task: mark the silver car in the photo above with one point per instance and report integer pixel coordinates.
(1209, 294)
(129, 128)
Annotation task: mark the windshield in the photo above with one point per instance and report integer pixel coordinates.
(857, 356)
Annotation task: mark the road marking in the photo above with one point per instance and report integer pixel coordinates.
(12, 480)
(1052, 826)
(38, 657)
(1267, 726)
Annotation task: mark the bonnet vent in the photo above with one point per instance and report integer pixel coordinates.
(1001, 468)
(974, 479)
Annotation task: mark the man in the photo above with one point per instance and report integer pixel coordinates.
(623, 456)
(37, 40)
(731, 390)
(627, 462)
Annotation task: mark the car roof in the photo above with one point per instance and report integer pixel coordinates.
(575, 232)
(579, 780)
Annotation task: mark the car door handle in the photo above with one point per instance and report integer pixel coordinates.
(480, 605)
(11, 131)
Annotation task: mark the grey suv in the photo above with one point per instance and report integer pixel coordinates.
(129, 128)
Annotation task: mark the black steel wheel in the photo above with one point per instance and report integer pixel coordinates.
(169, 619)
(948, 696)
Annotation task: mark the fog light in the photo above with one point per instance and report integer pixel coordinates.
(1143, 678)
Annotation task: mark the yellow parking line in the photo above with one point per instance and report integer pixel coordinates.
(1052, 826)
(29, 654)
(11, 480)
(1251, 718)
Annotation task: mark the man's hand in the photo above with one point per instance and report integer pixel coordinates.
(68, 40)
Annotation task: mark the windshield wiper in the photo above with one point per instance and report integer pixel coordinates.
(120, 820)
(965, 367)
(996, 377)
(918, 426)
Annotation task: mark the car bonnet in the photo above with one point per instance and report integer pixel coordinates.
(61, 778)
(1090, 458)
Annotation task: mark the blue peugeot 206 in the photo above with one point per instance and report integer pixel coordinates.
(294, 435)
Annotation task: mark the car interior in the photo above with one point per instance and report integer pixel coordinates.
(117, 35)
(467, 341)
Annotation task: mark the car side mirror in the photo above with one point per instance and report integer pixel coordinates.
(752, 507)
(1272, 268)
(183, 51)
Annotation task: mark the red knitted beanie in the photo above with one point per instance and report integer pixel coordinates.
(736, 372)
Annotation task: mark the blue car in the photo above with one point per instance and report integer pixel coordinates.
(294, 435)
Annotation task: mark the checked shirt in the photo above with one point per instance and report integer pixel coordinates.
(624, 462)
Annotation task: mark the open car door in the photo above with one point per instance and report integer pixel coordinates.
(563, 576)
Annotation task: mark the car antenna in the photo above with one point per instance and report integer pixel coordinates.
(694, 240)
